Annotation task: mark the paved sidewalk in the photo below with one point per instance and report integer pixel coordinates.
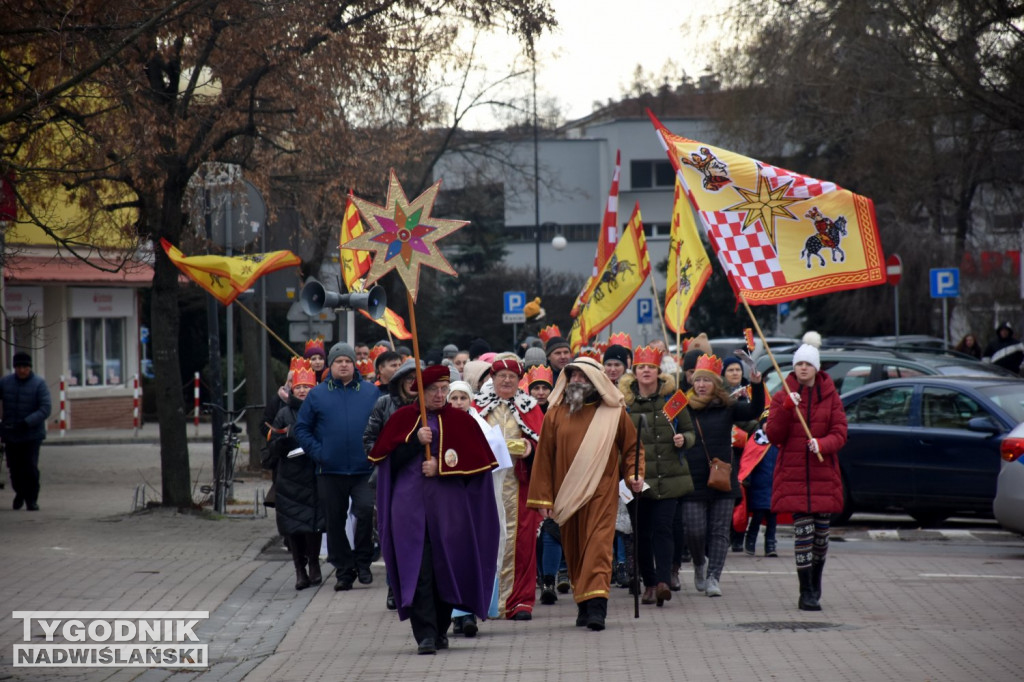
(908, 613)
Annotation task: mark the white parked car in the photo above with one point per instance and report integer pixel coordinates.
(1008, 506)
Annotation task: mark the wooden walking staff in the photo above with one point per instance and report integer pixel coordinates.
(775, 364)
(403, 236)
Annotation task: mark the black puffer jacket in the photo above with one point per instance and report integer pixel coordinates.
(298, 506)
(387, 405)
(667, 471)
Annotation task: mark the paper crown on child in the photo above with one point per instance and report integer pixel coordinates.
(647, 355)
(541, 374)
(315, 346)
(365, 367)
(709, 365)
(549, 332)
(620, 339)
(302, 373)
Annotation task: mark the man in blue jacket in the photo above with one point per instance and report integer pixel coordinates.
(26, 405)
(330, 429)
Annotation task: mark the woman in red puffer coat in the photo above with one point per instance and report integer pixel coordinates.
(808, 487)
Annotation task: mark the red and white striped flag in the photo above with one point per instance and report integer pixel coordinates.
(607, 239)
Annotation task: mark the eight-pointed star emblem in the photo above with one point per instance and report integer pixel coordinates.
(403, 236)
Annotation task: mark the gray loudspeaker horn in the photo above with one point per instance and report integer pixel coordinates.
(315, 297)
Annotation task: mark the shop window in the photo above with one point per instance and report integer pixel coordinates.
(96, 352)
(19, 338)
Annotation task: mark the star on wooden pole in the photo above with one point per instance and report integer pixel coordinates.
(403, 236)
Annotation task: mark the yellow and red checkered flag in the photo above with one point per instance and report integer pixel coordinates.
(674, 405)
(226, 277)
(779, 235)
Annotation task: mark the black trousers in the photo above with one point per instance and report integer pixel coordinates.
(656, 542)
(23, 463)
(430, 615)
(335, 491)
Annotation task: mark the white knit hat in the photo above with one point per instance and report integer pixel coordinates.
(460, 386)
(809, 354)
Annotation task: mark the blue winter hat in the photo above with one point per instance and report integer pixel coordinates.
(730, 360)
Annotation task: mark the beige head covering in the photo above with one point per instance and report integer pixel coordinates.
(473, 373)
(610, 395)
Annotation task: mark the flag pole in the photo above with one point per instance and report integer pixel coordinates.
(679, 322)
(661, 315)
(269, 330)
(775, 364)
(416, 355)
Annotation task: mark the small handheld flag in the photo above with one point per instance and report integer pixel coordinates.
(676, 404)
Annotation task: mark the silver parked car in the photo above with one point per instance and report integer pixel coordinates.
(1008, 506)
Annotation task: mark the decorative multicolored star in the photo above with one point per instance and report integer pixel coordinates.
(403, 236)
(764, 204)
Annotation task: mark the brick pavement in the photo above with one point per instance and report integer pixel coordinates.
(910, 611)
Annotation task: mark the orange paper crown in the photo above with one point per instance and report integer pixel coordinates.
(376, 352)
(647, 355)
(302, 372)
(315, 346)
(524, 383)
(549, 332)
(709, 363)
(620, 339)
(591, 353)
(365, 367)
(541, 374)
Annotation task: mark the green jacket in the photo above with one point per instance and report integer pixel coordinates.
(668, 472)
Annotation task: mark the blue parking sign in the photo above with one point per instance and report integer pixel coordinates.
(945, 282)
(645, 311)
(515, 301)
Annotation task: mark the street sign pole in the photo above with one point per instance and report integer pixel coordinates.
(945, 322)
(896, 305)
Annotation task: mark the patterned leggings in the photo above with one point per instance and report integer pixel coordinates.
(811, 538)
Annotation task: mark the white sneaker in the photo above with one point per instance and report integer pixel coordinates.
(700, 576)
(713, 590)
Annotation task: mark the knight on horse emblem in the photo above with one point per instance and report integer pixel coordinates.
(829, 234)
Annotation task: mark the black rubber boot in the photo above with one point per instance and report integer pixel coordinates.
(807, 601)
(301, 579)
(597, 610)
(817, 568)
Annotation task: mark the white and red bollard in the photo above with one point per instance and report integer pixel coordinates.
(195, 397)
(63, 406)
(135, 404)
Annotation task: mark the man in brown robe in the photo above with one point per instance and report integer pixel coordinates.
(587, 444)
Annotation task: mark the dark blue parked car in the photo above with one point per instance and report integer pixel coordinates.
(927, 445)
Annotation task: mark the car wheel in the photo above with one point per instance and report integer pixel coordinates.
(928, 517)
(843, 517)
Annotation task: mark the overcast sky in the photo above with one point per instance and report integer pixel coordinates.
(593, 53)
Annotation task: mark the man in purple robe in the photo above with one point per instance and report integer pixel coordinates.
(437, 517)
